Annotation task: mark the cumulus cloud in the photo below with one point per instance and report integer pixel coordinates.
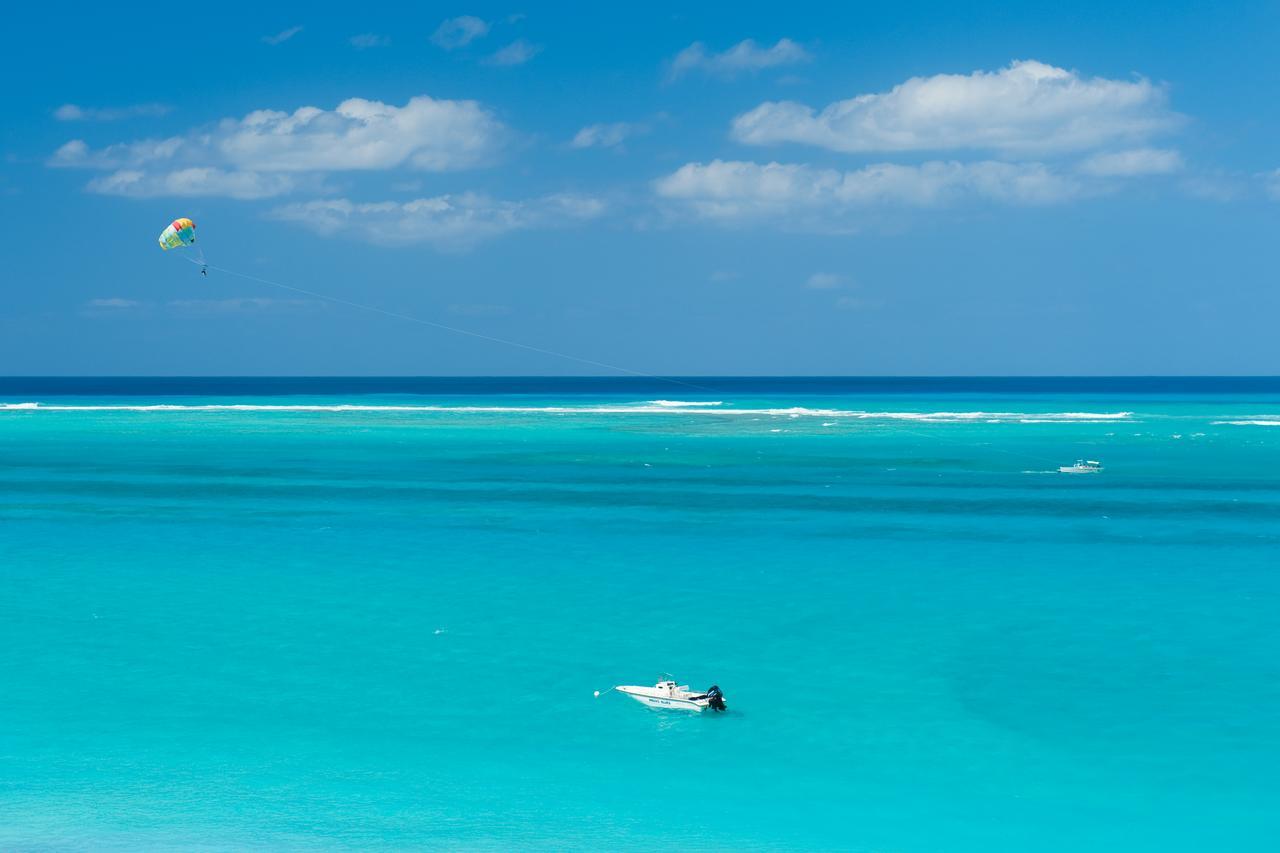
(727, 190)
(1027, 107)
(74, 112)
(426, 133)
(605, 135)
(114, 303)
(254, 156)
(517, 53)
(447, 221)
(73, 153)
(745, 56)
(458, 32)
(77, 153)
(69, 112)
(1271, 182)
(1133, 163)
(282, 36)
(135, 183)
(364, 41)
(1215, 186)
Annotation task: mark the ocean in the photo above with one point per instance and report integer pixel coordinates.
(366, 614)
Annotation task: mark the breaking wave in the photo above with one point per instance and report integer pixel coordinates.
(1254, 422)
(650, 407)
(683, 404)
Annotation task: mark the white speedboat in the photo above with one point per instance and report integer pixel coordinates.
(1082, 466)
(678, 697)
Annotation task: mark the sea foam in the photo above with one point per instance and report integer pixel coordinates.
(1254, 422)
(669, 407)
(684, 404)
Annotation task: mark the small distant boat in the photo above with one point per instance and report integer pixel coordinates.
(1082, 466)
(677, 697)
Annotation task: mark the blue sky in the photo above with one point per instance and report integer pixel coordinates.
(733, 189)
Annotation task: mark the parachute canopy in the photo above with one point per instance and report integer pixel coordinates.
(181, 232)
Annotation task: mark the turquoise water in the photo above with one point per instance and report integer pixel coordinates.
(295, 626)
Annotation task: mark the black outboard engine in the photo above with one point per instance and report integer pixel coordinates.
(715, 699)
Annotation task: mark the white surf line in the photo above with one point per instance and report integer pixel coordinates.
(843, 414)
(897, 418)
(586, 409)
(453, 329)
(541, 350)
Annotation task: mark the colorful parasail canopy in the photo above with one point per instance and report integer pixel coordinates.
(182, 232)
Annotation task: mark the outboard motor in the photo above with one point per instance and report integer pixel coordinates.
(715, 699)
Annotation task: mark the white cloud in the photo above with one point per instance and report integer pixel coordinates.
(1029, 106)
(1215, 186)
(113, 303)
(604, 135)
(73, 112)
(742, 57)
(1271, 181)
(73, 153)
(459, 32)
(727, 190)
(857, 303)
(364, 41)
(426, 133)
(282, 36)
(230, 305)
(187, 183)
(77, 153)
(240, 305)
(825, 281)
(517, 53)
(1132, 163)
(448, 221)
(252, 157)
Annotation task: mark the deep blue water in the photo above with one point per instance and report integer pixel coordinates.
(370, 613)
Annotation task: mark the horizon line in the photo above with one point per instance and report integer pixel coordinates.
(633, 378)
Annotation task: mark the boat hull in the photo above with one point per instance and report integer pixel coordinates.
(665, 703)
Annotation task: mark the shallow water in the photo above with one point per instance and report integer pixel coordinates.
(372, 613)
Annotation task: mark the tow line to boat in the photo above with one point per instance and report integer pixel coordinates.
(457, 330)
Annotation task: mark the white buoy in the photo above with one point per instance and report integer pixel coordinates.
(597, 694)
